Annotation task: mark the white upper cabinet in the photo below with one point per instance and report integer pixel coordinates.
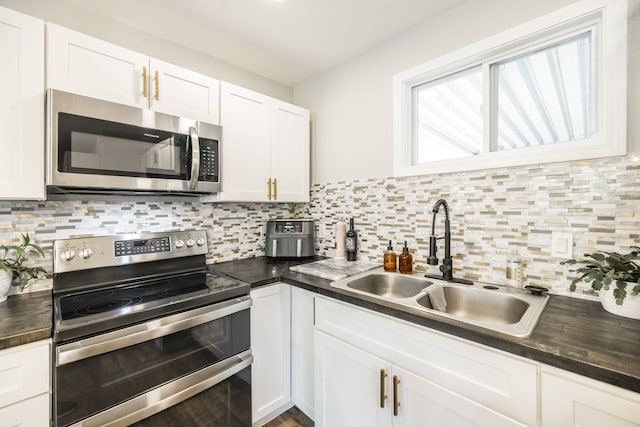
(21, 106)
(290, 152)
(265, 154)
(88, 66)
(180, 92)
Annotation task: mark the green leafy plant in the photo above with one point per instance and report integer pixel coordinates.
(602, 269)
(13, 257)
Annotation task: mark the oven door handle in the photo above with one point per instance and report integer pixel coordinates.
(132, 335)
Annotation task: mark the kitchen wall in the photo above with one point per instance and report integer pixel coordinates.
(493, 212)
(351, 104)
(85, 21)
(235, 230)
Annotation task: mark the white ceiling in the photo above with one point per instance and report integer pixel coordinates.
(284, 40)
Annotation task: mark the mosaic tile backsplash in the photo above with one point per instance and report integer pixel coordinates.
(494, 214)
(235, 231)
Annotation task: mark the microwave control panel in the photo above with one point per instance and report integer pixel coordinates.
(208, 160)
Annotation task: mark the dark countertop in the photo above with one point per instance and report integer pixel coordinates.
(25, 318)
(572, 334)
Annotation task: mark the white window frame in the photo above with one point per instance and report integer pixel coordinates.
(608, 20)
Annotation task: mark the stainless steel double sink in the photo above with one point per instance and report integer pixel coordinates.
(501, 309)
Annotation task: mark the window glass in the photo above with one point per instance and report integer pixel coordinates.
(448, 117)
(545, 96)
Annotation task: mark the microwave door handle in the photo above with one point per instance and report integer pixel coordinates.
(195, 158)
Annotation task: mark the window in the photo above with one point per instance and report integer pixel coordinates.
(550, 90)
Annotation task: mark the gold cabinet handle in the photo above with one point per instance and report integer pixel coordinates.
(275, 189)
(383, 395)
(145, 90)
(396, 381)
(269, 189)
(157, 86)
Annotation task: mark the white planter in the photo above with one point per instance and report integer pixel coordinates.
(630, 306)
(5, 284)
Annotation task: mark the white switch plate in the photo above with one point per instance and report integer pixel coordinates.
(561, 245)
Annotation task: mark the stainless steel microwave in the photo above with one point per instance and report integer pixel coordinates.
(100, 147)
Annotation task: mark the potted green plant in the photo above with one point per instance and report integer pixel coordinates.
(12, 268)
(615, 276)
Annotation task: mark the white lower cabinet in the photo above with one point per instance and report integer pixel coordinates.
(25, 384)
(302, 345)
(271, 348)
(435, 379)
(568, 399)
(348, 385)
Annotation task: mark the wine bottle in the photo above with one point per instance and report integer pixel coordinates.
(351, 242)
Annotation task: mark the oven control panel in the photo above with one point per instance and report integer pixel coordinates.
(107, 251)
(141, 246)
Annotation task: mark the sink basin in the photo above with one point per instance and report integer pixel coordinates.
(506, 310)
(481, 305)
(389, 285)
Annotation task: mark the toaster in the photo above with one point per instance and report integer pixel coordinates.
(290, 238)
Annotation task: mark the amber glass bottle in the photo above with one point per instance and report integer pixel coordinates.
(405, 260)
(390, 259)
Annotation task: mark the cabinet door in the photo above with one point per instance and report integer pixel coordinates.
(21, 106)
(348, 386)
(88, 66)
(290, 152)
(493, 379)
(24, 372)
(180, 92)
(245, 118)
(302, 347)
(271, 348)
(568, 400)
(423, 403)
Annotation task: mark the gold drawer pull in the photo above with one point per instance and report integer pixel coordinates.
(383, 396)
(396, 381)
(145, 90)
(275, 189)
(157, 87)
(269, 189)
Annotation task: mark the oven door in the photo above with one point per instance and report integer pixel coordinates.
(127, 375)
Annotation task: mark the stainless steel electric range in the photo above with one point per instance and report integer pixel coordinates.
(144, 335)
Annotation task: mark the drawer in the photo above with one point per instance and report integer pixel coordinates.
(495, 379)
(33, 412)
(24, 372)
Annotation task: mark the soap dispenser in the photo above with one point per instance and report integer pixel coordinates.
(390, 259)
(405, 260)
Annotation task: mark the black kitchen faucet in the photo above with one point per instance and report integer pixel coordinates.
(447, 263)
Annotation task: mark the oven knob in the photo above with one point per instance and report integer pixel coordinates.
(190, 243)
(67, 255)
(179, 244)
(200, 241)
(85, 253)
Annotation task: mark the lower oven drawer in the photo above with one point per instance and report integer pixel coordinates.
(124, 376)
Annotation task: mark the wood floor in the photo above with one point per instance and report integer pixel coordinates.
(292, 418)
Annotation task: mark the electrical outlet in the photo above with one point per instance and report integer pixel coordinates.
(561, 245)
